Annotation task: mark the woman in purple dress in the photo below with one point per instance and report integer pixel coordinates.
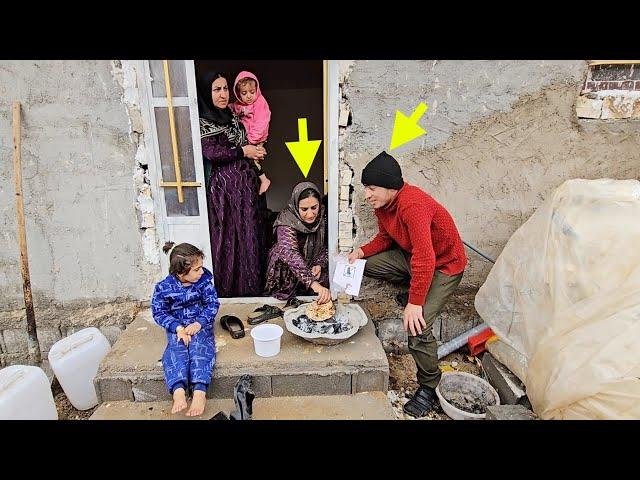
(236, 211)
(298, 262)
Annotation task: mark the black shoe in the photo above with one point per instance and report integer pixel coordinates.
(219, 416)
(424, 401)
(264, 313)
(243, 397)
(402, 299)
(293, 302)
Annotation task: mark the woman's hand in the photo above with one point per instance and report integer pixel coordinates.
(253, 152)
(324, 295)
(193, 328)
(357, 254)
(315, 271)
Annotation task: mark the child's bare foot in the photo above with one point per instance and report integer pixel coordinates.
(179, 400)
(264, 184)
(197, 404)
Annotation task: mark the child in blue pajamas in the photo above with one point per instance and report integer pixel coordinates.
(185, 304)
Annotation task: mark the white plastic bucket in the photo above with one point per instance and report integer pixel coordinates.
(25, 394)
(266, 339)
(470, 385)
(75, 361)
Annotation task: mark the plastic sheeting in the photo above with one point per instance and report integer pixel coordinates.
(565, 293)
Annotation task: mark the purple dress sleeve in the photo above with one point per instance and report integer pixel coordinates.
(322, 259)
(287, 238)
(219, 150)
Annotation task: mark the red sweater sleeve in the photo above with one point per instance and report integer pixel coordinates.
(381, 242)
(417, 217)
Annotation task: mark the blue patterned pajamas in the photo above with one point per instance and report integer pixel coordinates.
(174, 305)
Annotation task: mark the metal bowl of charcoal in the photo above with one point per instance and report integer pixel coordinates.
(344, 322)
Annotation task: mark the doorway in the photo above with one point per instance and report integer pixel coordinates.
(293, 89)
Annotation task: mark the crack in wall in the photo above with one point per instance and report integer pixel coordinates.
(127, 77)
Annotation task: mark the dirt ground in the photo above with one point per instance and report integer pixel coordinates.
(66, 411)
(402, 379)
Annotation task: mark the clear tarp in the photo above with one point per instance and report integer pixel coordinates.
(565, 294)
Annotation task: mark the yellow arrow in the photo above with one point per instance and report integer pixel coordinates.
(406, 128)
(304, 150)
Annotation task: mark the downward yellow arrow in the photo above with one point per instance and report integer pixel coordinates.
(406, 128)
(304, 150)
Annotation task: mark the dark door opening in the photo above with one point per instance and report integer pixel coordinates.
(293, 89)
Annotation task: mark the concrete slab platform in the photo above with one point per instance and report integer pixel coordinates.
(361, 406)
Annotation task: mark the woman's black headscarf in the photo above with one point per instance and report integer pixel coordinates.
(214, 120)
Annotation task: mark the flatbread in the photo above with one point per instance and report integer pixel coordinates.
(320, 313)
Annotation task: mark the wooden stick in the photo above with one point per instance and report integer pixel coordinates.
(33, 344)
(172, 127)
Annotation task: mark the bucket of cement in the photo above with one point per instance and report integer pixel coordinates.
(464, 396)
(266, 339)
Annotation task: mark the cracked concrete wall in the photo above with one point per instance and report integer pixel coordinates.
(501, 136)
(78, 161)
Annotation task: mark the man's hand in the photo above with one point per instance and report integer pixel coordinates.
(315, 271)
(357, 254)
(184, 336)
(193, 328)
(413, 319)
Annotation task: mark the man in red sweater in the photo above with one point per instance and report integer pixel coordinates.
(417, 244)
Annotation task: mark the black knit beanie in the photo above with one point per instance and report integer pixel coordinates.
(383, 171)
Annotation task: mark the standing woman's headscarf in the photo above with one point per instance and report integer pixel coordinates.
(316, 231)
(214, 120)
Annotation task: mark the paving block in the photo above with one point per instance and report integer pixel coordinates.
(109, 389)
(509, 412)
(150, 390)
(370, 381)
(508, 386)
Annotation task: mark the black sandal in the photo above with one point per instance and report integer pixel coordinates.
(266, 312)
(233, 325)
(423, 401)
(293, 302)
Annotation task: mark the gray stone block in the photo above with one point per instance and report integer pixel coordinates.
(222, 387)
(311, 384)
(508, 386)
(111, 389)
(370, 381)
(509, 412)
(150, 390)
(3, 349)
(392, 335)
(15, 340)
(47, 337)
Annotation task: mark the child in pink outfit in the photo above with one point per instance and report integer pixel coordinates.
(254, 113)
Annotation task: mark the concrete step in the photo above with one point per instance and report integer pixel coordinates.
(133, 370)
(361, 406)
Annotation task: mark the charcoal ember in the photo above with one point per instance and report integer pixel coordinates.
(331, 326)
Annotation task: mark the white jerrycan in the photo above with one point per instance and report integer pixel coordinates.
(75, 360)
(25, 394)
